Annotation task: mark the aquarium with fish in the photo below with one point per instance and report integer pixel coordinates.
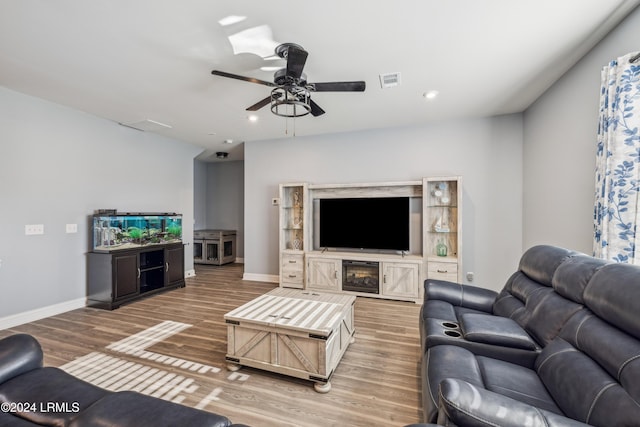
(125, 230)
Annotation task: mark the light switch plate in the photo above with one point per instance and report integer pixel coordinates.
(33, 229)
(71, 228)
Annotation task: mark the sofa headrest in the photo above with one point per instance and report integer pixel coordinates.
(573, 275)
(540, 262)
(19, 353)
(613, 294)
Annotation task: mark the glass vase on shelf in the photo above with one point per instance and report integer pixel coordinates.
(441, 249)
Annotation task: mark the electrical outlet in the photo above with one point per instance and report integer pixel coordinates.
(71, 228)
(275, 201)
(33, 229)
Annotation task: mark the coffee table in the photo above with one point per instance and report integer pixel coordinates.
(293, 332)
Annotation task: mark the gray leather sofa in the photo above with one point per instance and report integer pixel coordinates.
(33, 395)
(558, 346)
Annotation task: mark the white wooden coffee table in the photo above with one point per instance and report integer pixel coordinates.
(294, 332)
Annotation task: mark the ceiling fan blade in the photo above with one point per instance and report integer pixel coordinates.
(258, 105)
(338, 86)
(243, 78)
(315, 109)
(296, 58)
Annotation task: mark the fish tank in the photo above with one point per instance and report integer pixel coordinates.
(126, 230)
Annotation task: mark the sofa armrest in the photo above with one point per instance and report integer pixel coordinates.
(19, 354)
(495, 330)
(463, 404)
(460, 295)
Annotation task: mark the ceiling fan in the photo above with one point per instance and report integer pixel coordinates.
(291, 93)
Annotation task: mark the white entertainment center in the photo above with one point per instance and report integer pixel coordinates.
(391, 270)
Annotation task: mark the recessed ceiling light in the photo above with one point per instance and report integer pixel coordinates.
(231, 19)
(228, 141)
(432, 94)
(253, 118)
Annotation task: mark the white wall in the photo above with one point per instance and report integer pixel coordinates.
(487, 153)
(560, 146)
(57, 165)
(225, 199)
(199, 195)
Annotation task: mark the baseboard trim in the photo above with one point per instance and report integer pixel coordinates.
(190, 273)
(240, 260)
(271, 278)
(40, 313)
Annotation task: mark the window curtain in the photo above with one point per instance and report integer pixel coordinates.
(617, 198)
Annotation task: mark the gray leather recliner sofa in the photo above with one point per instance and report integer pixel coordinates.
(33, 395)
(558, 346)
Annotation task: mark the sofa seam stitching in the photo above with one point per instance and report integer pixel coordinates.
(542, 417)
(553, 355)
(459, 408)
(595, 399)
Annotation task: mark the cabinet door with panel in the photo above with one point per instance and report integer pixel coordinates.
(126, 274)
(174, 265)
(324, 274)
(401, 279)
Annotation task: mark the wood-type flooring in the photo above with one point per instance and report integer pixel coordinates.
(377, 383)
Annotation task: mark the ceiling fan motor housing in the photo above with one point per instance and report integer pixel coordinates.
(281, 78)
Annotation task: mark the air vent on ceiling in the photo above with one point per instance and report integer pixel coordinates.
(389, 80)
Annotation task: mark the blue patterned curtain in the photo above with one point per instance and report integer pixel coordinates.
(617, 201)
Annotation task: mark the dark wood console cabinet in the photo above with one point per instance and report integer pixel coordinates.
(121, 276)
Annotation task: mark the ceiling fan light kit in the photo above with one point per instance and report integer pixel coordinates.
(291, 93)
(286, 103)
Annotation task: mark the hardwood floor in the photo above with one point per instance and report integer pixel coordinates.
(377, 383)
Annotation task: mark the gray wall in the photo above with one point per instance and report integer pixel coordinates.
(219, 198)
(560, 146)
(58, 165)
(487, 153)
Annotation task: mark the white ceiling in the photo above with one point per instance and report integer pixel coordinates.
(137, 60)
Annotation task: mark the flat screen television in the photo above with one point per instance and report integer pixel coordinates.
(380, 223)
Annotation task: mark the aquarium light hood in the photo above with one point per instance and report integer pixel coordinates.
(146, 125)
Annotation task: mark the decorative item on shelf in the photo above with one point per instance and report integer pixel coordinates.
(297, 222)
(441, 249)
(296, 199)
(296, 244)
(440, 227)
(441, 193)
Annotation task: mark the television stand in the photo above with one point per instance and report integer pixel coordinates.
(388, 276)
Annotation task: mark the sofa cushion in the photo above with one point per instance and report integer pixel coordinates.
(464, 404)
(572, 276)
(131, 409)
(516, 382)
(540, 262)
(50, 386)
(446, 361)
(614, 295)
(495, 330)
(583, 389)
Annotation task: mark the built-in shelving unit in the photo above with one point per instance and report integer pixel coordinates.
(293, 235)
(442, 231)
(434, 250)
